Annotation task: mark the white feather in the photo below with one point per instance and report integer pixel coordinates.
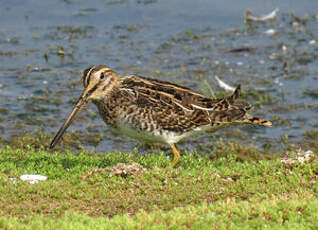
(223, 85)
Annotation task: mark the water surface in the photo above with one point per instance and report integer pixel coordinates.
(44, 46)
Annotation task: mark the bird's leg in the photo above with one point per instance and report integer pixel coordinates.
(176, 154)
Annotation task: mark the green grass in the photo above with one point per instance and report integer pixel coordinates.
(225, 191)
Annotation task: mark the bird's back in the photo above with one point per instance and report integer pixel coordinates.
(158, 107)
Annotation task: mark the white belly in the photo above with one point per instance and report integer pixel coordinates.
(138, 134)
(169, 137)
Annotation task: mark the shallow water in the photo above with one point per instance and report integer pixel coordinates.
(44, 46)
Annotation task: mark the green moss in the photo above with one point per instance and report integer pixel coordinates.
(233, 188)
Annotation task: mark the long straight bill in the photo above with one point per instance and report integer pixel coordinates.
(81, 101)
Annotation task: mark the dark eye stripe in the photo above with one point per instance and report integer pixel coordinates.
(86, 75)
(89, 71)
(92, 90)
(89, 75)
(107, 72)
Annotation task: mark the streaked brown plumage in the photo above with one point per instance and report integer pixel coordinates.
(156, 111)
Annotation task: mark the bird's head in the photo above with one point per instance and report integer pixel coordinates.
(98, 81)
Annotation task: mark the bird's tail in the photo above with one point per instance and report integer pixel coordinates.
(248, 119)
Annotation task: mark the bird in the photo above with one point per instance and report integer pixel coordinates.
(152, 110)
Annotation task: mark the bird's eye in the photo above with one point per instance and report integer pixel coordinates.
(102, 76)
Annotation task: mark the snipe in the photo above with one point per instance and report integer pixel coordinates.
(156, 111)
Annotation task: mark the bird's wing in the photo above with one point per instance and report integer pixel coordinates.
(192, 107)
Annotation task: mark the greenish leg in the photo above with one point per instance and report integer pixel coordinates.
(176, 154)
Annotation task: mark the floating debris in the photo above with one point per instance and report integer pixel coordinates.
(284, 49)
(278, 82)
(32, 179)
(285, 67)
(241, 49)
(312, 42)
(298, 26)
(251, 17)
(270, 32)
(273, 56)
(223, 85)
(301, 157)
